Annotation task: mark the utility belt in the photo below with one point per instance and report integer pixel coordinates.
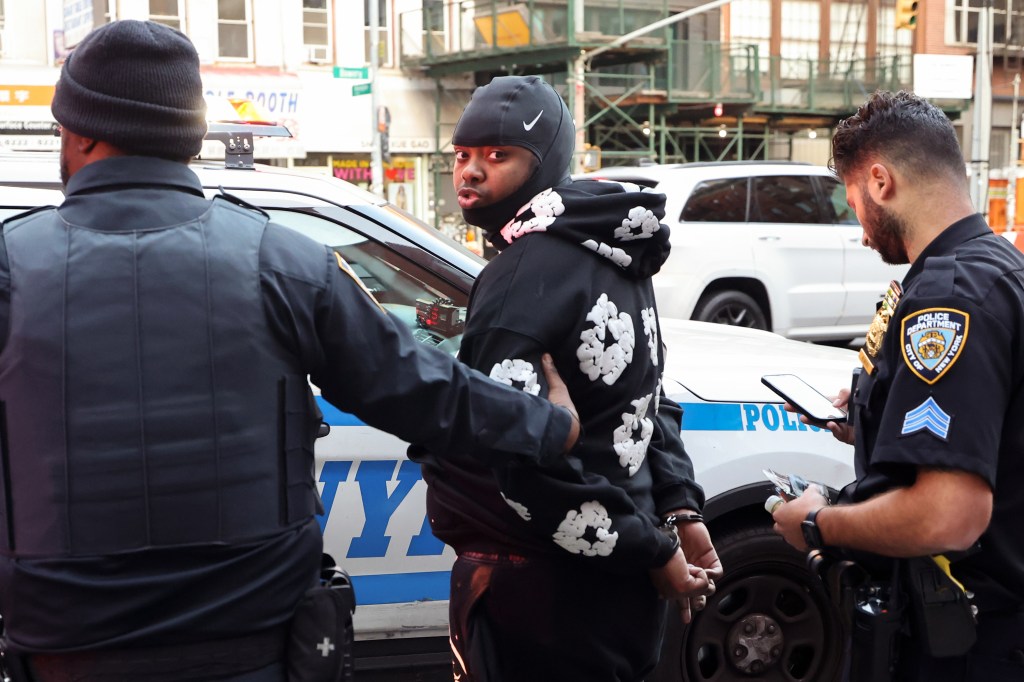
(316, 646)
(915, 601)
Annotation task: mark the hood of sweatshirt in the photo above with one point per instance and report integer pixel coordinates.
(619, 221)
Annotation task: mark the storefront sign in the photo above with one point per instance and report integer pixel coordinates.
(27, 127)
(26, 95)
(277, 95)
(358, 170)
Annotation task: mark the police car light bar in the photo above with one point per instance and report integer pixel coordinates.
(238, 140)
(235, 122)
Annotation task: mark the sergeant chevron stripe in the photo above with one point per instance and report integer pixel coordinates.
(927, 416)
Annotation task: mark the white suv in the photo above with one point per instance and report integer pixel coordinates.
(768, 245)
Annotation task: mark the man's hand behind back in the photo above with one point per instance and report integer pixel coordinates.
(687, 584)
(558, 394)
(696, 542)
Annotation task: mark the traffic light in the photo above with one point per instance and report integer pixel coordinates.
(906, 14)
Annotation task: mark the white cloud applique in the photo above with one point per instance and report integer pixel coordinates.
(597, 360)
(614, 254)
(516, 373)
(520, 509)
(572, 531)
(640, 223)
(632, 452)
(650, 319)
(546, 207)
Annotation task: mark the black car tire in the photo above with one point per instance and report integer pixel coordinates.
(769, 620)
(730, 307)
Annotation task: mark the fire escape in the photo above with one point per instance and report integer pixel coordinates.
(674, 95)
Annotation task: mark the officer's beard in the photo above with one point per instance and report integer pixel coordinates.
(65, 175)
(887, 232)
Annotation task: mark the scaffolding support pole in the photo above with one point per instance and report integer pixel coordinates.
(585, 58)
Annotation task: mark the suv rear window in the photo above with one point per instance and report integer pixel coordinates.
(717, 201)
(785, 199)
(835, 202)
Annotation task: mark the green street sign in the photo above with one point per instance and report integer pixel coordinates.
(358, 73)
(361, 89)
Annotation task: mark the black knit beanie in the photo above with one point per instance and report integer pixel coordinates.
(519, 111)
(136, 85)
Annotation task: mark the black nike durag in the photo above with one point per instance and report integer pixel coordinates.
(521, 111)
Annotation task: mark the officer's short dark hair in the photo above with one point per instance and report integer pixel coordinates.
(904, 129)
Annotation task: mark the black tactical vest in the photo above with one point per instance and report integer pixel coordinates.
(145, 403)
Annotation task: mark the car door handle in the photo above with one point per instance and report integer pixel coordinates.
(769, 238)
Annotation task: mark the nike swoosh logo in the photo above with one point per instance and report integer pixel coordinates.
(529, 126)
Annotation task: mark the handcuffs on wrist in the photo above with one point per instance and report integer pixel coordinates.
(669, 523)
(676, 519)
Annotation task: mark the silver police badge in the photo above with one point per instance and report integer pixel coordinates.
(933, 339)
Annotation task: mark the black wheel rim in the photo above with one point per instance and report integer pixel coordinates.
(732, 639)
(737, 315)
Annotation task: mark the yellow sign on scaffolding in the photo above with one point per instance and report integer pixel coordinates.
(505, 27)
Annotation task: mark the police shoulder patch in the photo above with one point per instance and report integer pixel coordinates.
(933, 339)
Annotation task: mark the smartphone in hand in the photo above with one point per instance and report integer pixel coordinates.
(805, 398)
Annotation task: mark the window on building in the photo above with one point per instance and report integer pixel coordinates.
(384, 50)
(433, 15)
(103, 12)
(166, 12)
(433, 28)
(849, 32)
(750, 23)
(1007, 22)
(234, 29)
(801, 29)
(999, 152)
(316, 34)
(895, 49)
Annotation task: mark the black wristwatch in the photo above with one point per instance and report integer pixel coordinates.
(812, 534)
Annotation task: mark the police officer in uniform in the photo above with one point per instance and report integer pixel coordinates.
(156, 424)
(938, 409)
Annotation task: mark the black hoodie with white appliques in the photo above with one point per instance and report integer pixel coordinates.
(574, 280)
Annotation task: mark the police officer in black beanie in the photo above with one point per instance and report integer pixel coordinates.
(156, 421)
(562, 571)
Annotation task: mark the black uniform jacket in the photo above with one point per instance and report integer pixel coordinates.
(948, 392)
(364, 361)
